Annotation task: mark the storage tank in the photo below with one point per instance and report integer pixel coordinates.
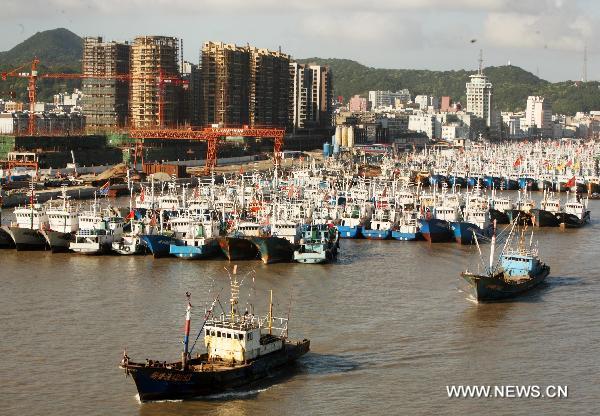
(351, 136)
(326, 150)
(338, 136)
(344, 136)
(336, 149)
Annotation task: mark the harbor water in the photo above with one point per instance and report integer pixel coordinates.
(390, 324)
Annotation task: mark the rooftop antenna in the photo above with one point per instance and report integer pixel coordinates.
(480, 61)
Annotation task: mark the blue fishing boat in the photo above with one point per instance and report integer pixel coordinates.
(408, 228)
(158, 244)
(435, 230)
(195, 248)
(518, 269)
(464, 232)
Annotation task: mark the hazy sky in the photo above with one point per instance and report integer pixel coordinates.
(539, 35)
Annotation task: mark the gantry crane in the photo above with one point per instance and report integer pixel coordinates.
(212, 135)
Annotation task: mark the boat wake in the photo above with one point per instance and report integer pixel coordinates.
(137, 397)
(241, 394)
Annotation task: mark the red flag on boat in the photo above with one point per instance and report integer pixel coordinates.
(570, 183)
(142, 195)
(131, 215)
(517, 162)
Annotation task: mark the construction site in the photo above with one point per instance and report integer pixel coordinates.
(142, 103)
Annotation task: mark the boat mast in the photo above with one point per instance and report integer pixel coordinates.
(271, 313)
(186, 336)
(493, 246)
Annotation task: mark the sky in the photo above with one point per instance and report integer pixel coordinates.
(545, 37)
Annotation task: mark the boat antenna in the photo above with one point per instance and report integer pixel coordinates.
(271, 313)
(493, 246)
(186, 336)
(207, 315)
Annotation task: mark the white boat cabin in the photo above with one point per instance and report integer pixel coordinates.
(238, 340)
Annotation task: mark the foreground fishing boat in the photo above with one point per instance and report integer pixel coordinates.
(240, 349)
(518, 269)
(319, 244)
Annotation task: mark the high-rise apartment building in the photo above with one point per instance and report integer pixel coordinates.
(225, 72)
(105, 99)
(269, 88)
(154, 97)
(311, 94)
(480, 97)
(539, 115)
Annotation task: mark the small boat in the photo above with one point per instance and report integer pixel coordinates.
(518, 269)
(319, 244)
(241, 348)
(200, 242)
(408, 228)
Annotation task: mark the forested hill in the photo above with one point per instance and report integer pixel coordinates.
(512, 85)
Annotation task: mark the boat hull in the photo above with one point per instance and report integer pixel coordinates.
(543, 218)
(464, 232)
(57, 241)
(237, 248)
(208, 250)
(161, 383)
(406, 236)
(490, 288)
(6, 240)
(349, 232)
(274, 249)
(436, 231)
(159, 245)
(26, 239)
(572, 221)
(499, 216)
(377, 234)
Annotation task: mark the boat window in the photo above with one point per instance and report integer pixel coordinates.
(241, 336)
(212, 333)
(249, 336)
(208, 332)
(228, 335)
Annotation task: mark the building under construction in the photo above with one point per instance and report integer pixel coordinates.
(225, 70)
(269, 88)
(105, 100)
(155, 94)
(311, 93)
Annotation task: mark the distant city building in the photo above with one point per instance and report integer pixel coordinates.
(66, 102)
(382, 99)
(105, 100)
(424, 123)
(358, 104)
(426, 101)
(480, 97)
(538, 115)
(311, 93)
(446, 104)
(191, 96)
(13, 106)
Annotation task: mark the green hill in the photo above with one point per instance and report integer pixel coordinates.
(59, 50)
(512, 85)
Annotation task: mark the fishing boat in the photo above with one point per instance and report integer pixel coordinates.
(240, 349)
(63, 224)
(408, 227)
(200, 242)
(517, 270)
(26, 232)
(547, 214)
(381, 224)
(575, 214)
(274, 249)
(319, 244)
(97, 232)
